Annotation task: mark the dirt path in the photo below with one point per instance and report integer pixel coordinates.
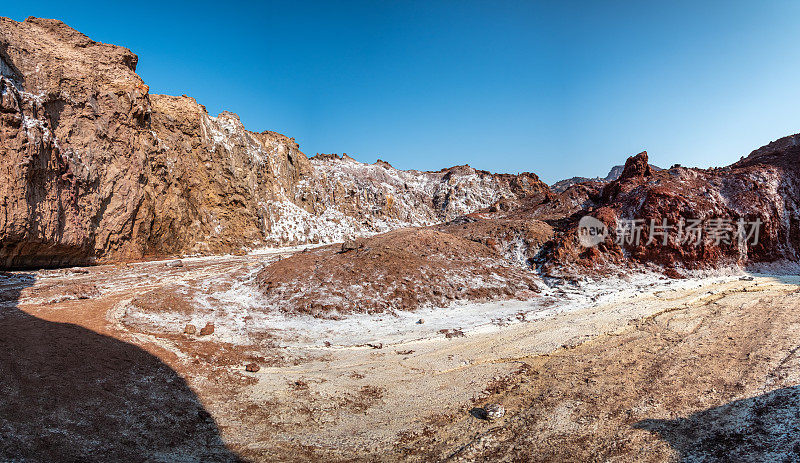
(577, 385)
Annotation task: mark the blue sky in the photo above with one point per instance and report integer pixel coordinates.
(556, 88)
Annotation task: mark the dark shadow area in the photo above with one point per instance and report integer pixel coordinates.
(478, 413)
(765, 428)
(68, 394)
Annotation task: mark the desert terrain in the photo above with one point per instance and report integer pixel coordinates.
(177, 288)
(661, 370)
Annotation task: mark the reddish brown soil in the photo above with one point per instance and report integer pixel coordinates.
(400, 270)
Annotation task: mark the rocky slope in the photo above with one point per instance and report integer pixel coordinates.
(538, 234)
(96, 168)
(346, 198)
(760, 188)
(400, 270)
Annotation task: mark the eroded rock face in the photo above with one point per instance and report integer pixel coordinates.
(86, 125)
(95, 168)
(762, 187)
(352, 198)
(38, 193)
(212, 181)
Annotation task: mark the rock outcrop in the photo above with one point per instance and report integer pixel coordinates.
(353, 198)
(724, 204)
(400, 270)
(613, 174)
(69, 105)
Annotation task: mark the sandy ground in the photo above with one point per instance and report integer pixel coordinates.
(643, 370)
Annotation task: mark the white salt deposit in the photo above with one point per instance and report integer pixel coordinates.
(232, 301)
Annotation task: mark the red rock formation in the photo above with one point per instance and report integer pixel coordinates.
(613, 174)
(40, 212)
(764, 187)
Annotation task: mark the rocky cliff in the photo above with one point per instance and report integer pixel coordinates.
(724, 204)
(353, 198)
(95, 168)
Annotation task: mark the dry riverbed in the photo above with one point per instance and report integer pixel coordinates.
(652, 372)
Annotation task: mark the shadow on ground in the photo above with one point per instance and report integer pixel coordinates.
(68, 394)
(759, 429)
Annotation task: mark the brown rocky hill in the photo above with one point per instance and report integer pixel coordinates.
(762, 187)
(400, 270)
(95, 168)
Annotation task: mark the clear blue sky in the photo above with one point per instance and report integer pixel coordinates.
(556, 88)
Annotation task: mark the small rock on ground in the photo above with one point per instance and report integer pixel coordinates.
(208, 329)
(494, 411)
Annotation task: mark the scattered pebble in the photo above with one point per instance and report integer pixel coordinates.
(208, 329)
(747, 278)
(351, 245)
(174, 263)
(452, 333)
(190, 329)
(494, 411)
(252, 367)
(420, 321)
